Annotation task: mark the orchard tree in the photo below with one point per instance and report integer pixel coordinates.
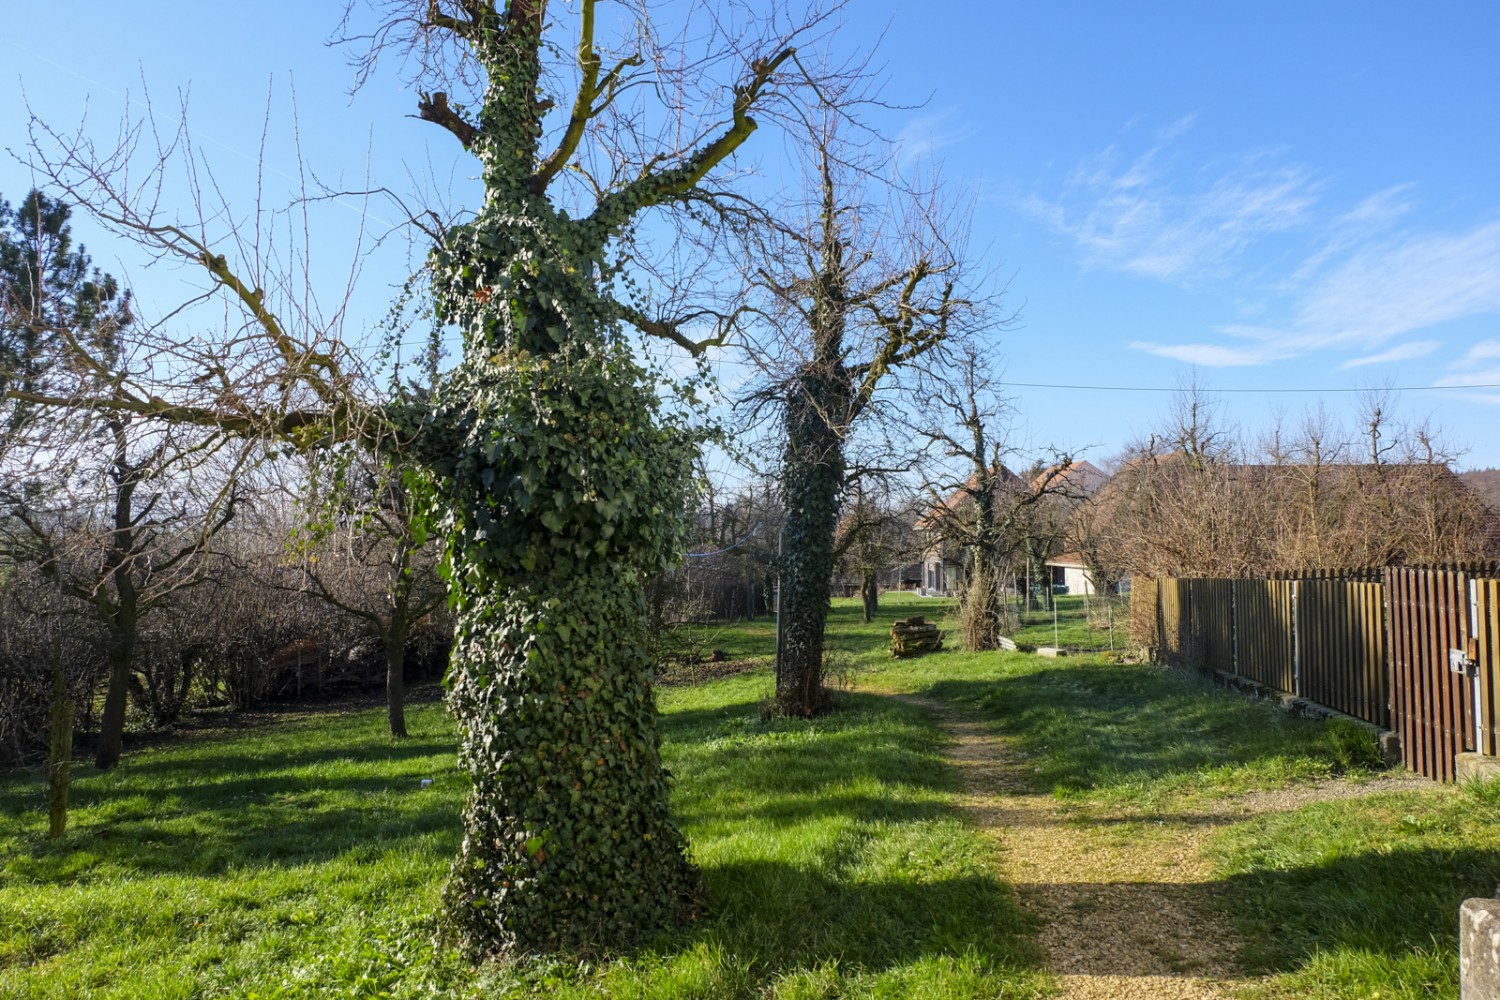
(978, 503)
(867, 285)
(139, 499)
(875, 533)
(557, 467)
(371, 559)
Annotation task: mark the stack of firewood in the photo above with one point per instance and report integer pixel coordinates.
(914, 636)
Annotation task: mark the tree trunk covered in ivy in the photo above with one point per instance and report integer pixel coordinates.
(982, 592)
(862, 321)
(561, 486)
(812, 476)
(869, 592)
(563, 481)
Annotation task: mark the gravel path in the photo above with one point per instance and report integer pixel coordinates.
(1125, 900)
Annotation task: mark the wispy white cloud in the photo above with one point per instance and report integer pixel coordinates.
(1366, 283)
(1212, 355)
(1485, 350)
(1480, 366)
(1385, 291)
(1134, 216)
(925, 135)
(1375, 293)
(1365, 222)
(1173, 130)
(1401, 352)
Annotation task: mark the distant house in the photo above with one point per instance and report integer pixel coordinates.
(1073, 573)
(1069, 571)
(1074, 479)
(943, 559)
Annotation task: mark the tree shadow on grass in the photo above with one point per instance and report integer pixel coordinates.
(1388, 906)
(206, 810)
(879, 887)
(779, 918)
(1390, 903)
(791, 770)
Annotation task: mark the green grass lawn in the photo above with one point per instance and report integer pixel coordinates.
(1343, 899)
(304, 858)
(1067, 624)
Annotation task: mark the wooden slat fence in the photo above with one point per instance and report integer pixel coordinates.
(1487, 641)
(1264, 637)
(1173, 618)
(1341, 647)
(1211, 610)
(1374, 644)
(1432, 706)
(1145, 614)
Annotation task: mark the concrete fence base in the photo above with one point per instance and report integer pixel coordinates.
(1479, 949)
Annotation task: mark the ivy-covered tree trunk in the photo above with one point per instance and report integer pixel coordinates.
(812, 476)
(563, 485)
(561, 490)
(564, 493)
(869, 592)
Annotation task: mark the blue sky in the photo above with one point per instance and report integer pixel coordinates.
(1282, 196)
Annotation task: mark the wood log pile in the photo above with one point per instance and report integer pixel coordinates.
(914, 636)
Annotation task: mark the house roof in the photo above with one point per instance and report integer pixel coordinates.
(1068, 560)
(1081, 477)
(1004, 479)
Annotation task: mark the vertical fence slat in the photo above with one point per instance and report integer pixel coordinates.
(1489, 667)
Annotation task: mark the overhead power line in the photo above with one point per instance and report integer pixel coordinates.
(1155, 388)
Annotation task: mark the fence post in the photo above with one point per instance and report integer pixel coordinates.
(1296, 639)
(1234, 627)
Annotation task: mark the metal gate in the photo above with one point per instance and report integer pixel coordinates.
(1434, 667)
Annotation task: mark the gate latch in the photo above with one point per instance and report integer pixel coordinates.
(1460, 662)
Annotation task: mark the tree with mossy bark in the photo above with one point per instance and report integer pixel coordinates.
(856, 296)
(976, 502)
(558, 470)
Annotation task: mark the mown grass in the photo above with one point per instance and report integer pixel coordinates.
(277, 862)
(1337, 900)
(304, 859)
(1360, 898)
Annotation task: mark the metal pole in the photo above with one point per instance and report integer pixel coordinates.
(781, 534)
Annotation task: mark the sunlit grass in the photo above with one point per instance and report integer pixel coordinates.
(305, 858)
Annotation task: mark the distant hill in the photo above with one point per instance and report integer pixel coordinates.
(1485, 482)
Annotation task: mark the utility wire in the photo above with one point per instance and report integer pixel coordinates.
(1212, 392)
(719, 552)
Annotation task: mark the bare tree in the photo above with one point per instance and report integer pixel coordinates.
(978, 503)
(875, 533)
(373, 558)
(858, 290)
(1194, 500)
(145, 497)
